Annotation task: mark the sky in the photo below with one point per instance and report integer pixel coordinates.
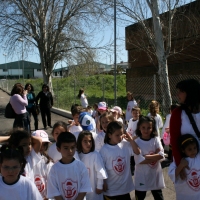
(108, 58)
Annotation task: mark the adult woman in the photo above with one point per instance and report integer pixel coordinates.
(46, 103)
(131, 103)
(189, 98)
(19, 101)
(83, 98)
(31, 104)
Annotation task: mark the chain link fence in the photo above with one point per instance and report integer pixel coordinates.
(146, 89)
(101, 88)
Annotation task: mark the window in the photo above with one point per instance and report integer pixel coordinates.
(5, 70)
(39, 70)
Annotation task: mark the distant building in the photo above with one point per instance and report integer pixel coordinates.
(20, 69)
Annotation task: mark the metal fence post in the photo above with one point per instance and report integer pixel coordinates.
(154, 86)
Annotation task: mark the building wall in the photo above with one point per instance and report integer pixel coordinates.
(37, 74)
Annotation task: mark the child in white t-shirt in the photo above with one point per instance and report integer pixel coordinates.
(148, 172)
(105, 119)
(116, 154)
(117, 113)
(53, 153)
(12, 184)
(75, 126)
(68, 178)
(41, 170)
(188, 188)
(93, 163)
(31, 146)
(132, 124)
(154, 110)
(83, 98)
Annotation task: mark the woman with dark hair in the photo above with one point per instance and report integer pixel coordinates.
(19, 101)
(188, 92)
(31, 108)
(46, 103)
(83, 98)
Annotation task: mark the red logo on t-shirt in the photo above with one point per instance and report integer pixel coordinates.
(193, 179)
(119, 165)
(39, 182)
(70, 189)
(153, 164)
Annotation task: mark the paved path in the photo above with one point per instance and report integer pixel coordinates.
(6, 125)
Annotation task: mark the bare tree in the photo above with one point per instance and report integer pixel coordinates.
(154, 32)
(56, 28)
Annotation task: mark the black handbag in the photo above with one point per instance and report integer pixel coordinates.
(9, 112)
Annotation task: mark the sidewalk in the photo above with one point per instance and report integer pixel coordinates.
(6, 125)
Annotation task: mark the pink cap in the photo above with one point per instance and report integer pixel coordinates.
(102, 106)
(116, 109)
(42, 134)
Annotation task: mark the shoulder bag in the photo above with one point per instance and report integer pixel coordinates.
(9, 112)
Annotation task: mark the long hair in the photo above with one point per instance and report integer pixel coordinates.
(57, 124)
(112, 127)
(17, 89)
(16, 135)
(80, 139)
(192, 89)
(81, 91)
(45, 85)
(26, 86)
(144, 119)
(154, 108)
(107, 115)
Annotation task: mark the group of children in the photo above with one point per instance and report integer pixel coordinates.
(90, 158)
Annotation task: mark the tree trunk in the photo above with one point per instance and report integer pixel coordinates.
(161, 57)
(164, 84)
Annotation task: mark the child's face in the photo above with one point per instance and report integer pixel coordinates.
(67, 151)
(57, 132)
(102, 111)
(135, 114)
(104, 123)
(75, 118)
(191, 150)
(43, 147)
(26, 145)
(115, 114)
(146, 129)
(86, 144)
(116, 137)
(10, 170)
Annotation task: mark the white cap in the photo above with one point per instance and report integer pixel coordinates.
(42, 134)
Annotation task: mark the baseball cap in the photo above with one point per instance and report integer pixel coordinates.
(116, 109)
(102, 106)
(85, 120)
(42, 134)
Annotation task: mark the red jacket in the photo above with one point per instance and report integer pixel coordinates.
(175, 133)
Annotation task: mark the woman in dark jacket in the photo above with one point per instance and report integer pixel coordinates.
(46, 103)
(31, 108)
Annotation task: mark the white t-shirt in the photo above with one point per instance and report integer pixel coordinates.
(116, 159)
(159, 123)
(68, 180)
(120, 120)
(41, 172)
(32, 160)
(132, 126)
(74, 129)
(129, 107)
(84, 101)
(23, 189)
(55, 155)
(188, 189)
(166, 124)
(148, 176)
(186, 126)
(99, 142)
(97, 173)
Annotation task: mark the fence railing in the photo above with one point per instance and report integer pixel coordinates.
(145, 89)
